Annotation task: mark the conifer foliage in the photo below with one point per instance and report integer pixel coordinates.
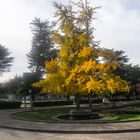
(5, 59)
(42, 47)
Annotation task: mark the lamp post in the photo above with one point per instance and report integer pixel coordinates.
(31, 101)
(134, 95)
(134, 99)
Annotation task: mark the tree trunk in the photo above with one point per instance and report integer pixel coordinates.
(77, 99)
(68, 97)
(90, 101)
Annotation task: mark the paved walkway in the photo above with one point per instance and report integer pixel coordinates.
(21, 135)
(7, 122)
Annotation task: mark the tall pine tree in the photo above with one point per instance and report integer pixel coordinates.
(5, 59)
(42, 47)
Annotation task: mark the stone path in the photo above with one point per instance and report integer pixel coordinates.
(7, 122)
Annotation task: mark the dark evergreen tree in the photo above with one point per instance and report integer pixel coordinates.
(132, 73)
(5, 59)
(110, 55)
(42, 47)
(25, 87)
(12, 85)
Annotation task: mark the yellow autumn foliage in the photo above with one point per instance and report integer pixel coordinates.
(76, 70)
(82, 38)
(52, 66)
(95, 86)
(68, 27)
(86, 52)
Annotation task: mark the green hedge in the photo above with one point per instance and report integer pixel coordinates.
(125, 99)
(9, 105)
(52, 103)
(86, 101)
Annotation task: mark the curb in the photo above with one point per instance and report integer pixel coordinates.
(72, 132)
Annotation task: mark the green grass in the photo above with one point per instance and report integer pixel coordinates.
(42, 115)
(49, 114)
(122, 117)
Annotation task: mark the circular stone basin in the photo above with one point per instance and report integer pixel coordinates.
(79, 115)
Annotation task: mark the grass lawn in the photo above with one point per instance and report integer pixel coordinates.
(121, 117)
(49, 114)
(42, 115)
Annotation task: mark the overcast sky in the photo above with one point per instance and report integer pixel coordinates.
(118, 26)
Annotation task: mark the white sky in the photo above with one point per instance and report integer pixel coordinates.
(118, 26)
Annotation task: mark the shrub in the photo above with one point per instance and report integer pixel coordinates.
(86, 101)
(125, 99)
(9, 105)
(52, 103)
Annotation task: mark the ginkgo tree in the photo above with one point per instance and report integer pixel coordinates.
(78, 70)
